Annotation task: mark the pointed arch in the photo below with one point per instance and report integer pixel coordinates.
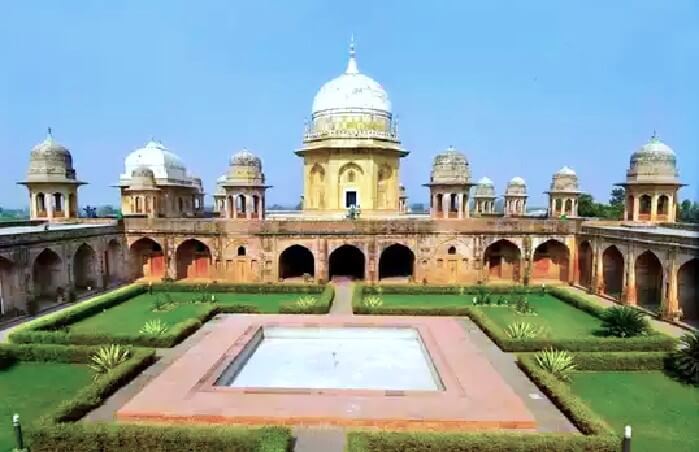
(147, 259)
(85, 267)
(296, 261)
(193, 258)
(585, 264)
(551, 261)
(502, 260)
(649, 280)
(347, 261)
(687, 293)
(397, 261)
(47, 274)
(612, 272)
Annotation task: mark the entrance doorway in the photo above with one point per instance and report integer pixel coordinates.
(350, 199)
(347, 261)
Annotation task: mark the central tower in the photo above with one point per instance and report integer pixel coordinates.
(351, 151)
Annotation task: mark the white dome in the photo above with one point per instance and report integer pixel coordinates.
(567, 171)
(156, 157)
(350, 91)
(517, 181)
(485, 181)
(655, 146)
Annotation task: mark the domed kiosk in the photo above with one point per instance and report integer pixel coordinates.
(563, 194)
(241, 191)
(484, 197)
(651, 185)
(449, 185)
(155, 183)
(516, 197)
(351, 149)
(51, 180)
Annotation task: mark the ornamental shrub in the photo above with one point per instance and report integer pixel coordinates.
(623, 321)
(558, 363)
(154, 328)
(107, 358)
(523, 330)
(686, 359)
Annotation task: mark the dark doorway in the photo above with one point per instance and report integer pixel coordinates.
(585, 265)
(350, 199)
(612, 272)
(295, 262)
(396, 261)
(649, 280)
(347, 260)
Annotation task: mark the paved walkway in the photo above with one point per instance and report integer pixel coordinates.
(342, 302)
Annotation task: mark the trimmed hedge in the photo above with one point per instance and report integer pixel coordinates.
(322, 305)
(651, 343)
(112, 437)
(53, 328)
(216, 287)
(372, 441)
(447, 289)
(58, 431)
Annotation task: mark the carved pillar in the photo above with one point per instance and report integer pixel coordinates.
(671, 303)
(599, 271)
(631, 281)
(635, 208)
(654, 207)
(671, 209)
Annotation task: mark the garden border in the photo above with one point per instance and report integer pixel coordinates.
(653, 342)
(57, 430)
(48, 329)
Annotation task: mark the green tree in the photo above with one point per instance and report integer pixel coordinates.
(689, 212)
(587, 207)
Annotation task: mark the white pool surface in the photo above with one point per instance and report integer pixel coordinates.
(340, 358)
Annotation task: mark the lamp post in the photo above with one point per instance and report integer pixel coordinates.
(626, 442)
(18, 432)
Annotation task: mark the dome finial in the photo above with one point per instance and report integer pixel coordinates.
(654, 138)
(352, 63)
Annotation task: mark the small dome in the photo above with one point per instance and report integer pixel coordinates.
(485, 188)
(163, 163)
(450, 167)
(351, 90)
(245, 169)
(516, 187)
(50, 161)
(566, 171)
(654, 162)
(564, 180)
(143, 171)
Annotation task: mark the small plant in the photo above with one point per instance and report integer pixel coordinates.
(623, 321)
(163, 303)
(306, 302)
(686, 359)
(558, 363)
(523, 307)
(372, 302)
(154, 328)
(523, 330)
(107, 358)
(462, 289)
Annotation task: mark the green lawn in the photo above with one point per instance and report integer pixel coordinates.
(418, 301)
(31, 389)
(559, 319)
(130, 316)
(663, 413)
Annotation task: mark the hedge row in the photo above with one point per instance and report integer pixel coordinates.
(614, 361)
(375, 441)
(217, 287)
(112, 437)
(322, 305)
(650, 343)
(52, 329)
(597, 435)
(58, 431)
(448, 289)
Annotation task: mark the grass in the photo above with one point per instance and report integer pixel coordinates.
(663, 413)
(128, 317)
(417, 301)
(32, 389)
(559, 319)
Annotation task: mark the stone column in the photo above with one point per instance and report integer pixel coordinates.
(446, 201)
(671, 303)
(235, 207)
(50, 202)
(671, 209)
(598, 259)
(248, 207)
(460, 205)
(654, 207)
(465, 205)
(630, 298)
(433, 206)
(635, 208)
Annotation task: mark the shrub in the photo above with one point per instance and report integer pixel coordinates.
(372, 302)
(686, 359)
(522, 306)
(623, 321)
(108, 358)
(523, 330)
(306, 301)
(558, 363)
(163, 303)
(154, 328)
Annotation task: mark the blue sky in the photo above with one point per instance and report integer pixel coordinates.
(521, 87)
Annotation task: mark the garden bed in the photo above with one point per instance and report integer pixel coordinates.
(569, 321)
(65, 392)
(119, 316)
